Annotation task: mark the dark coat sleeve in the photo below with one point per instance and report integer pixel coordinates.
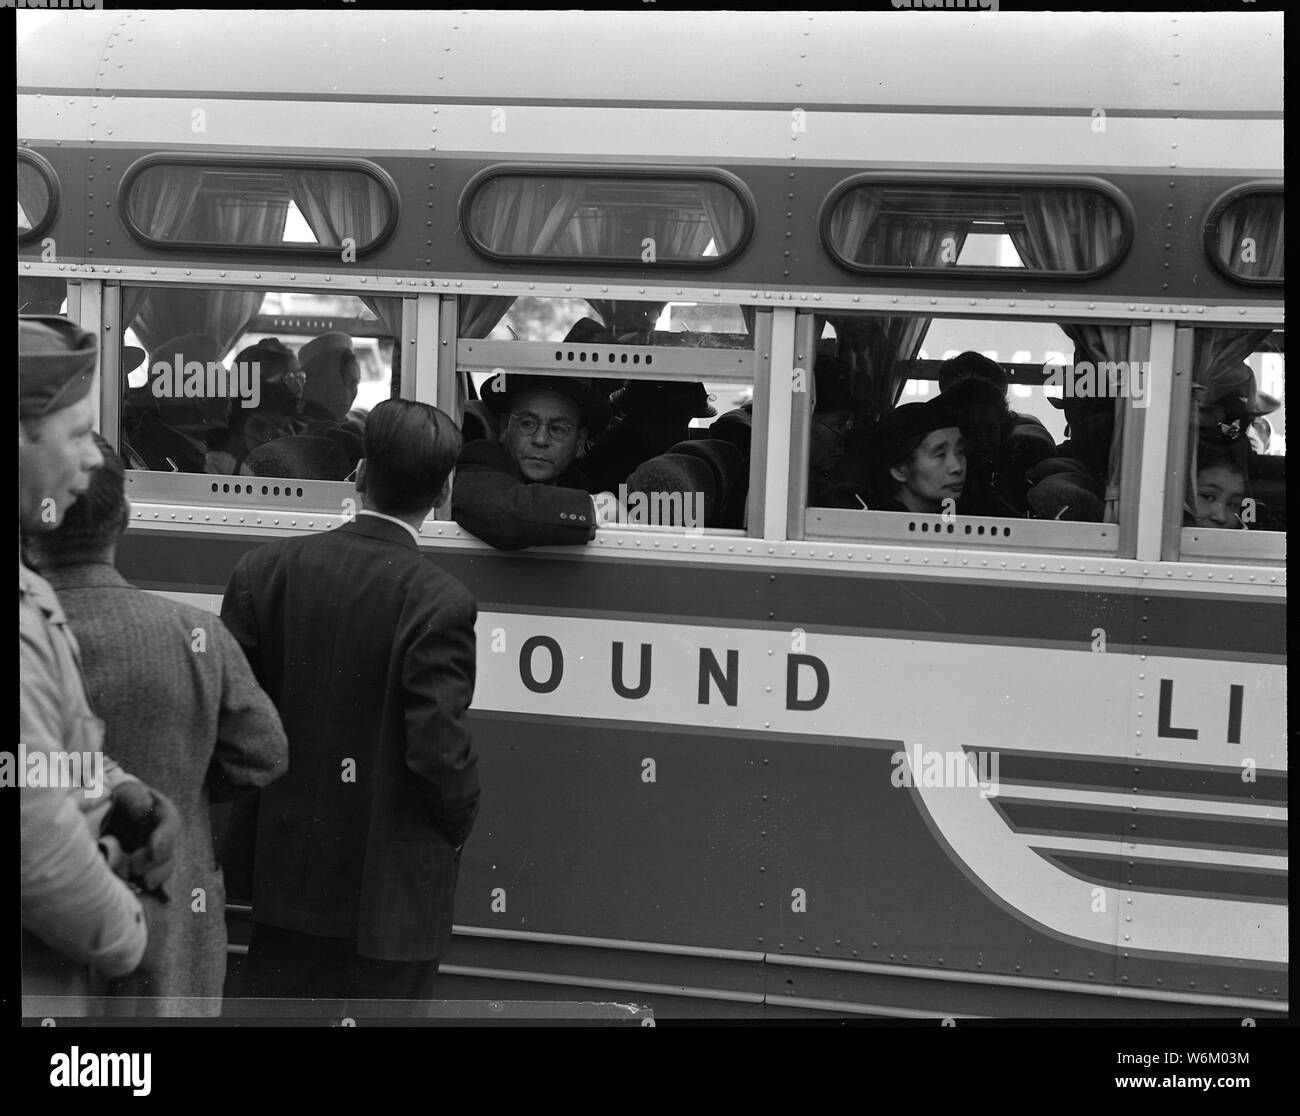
(511, 514)
(251, 747)
(238, 617)
(437, 688)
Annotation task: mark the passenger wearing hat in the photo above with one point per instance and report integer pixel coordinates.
(525, 489)
(277, 414)
(971, 364)
(333, 374)
(999, 448)
(82, 921)
(921, 458)
(653, 416)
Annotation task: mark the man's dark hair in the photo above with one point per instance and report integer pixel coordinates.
(97, 518)
(410, 450)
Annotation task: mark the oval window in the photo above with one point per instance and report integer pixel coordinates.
(1245, 236)
(38, 196)
(637, 217)
(291, 207)
(885, 225)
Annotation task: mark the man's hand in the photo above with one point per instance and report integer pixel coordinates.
(147, 826)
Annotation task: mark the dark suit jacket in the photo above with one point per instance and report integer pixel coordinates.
(183, 713)
(367, 650)
(493, 502)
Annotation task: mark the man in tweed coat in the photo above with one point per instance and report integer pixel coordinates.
(183, 711)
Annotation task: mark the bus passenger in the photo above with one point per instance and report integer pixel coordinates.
(333, 374)
(526, 489)
(653, 416)
(181, 434)
(921, 456)
(81, 920)
(977, 365)
(367, 649)
(833, 421)
(192, 720)
(1090, 425)
(281, 380)
(1220, 488)
(999, 448)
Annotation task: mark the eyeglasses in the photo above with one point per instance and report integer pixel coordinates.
(528, 425)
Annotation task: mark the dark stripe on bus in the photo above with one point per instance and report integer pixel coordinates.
(1209, 881)
(808, 599)
(1081, 111)
(1144, 827)
(1174, 780)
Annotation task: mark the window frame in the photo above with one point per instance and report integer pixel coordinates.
(615, 172)
(930, 179)
(1048, 537)
(46, 170)
(249, 162)
(1204, 544)
(1210, 227)
(294, 496)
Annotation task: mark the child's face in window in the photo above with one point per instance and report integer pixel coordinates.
(1219, 492)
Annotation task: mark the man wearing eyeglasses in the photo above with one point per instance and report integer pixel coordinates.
(527, 489)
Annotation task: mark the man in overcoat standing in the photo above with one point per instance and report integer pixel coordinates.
(367, 649)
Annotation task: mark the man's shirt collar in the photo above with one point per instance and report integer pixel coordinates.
(415, 535)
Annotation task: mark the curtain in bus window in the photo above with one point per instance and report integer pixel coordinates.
(335, 209)
(517, 220)
(1215, 355)
(1066, 230)
(158, 314)
(389, 312)
(904, 240)
(1101, 344)
(877, 350)
(1070, 231)
(1259, 218)
(162, 203)
(850, 223)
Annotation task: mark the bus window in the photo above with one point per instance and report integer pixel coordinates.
(42, 294)
(38, 196)
(293, 206)
(1236, 459)
(962, 419)
(1245, 236)
(252, 382)
(886, 224)
(671, 445)
(634, 216)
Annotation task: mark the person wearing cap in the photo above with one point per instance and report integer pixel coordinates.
(190, 718)
(526, 489)
(333, 375)
(653, 416)
(921, 458)
(81, 917)
(278, 412)
(367, 649)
